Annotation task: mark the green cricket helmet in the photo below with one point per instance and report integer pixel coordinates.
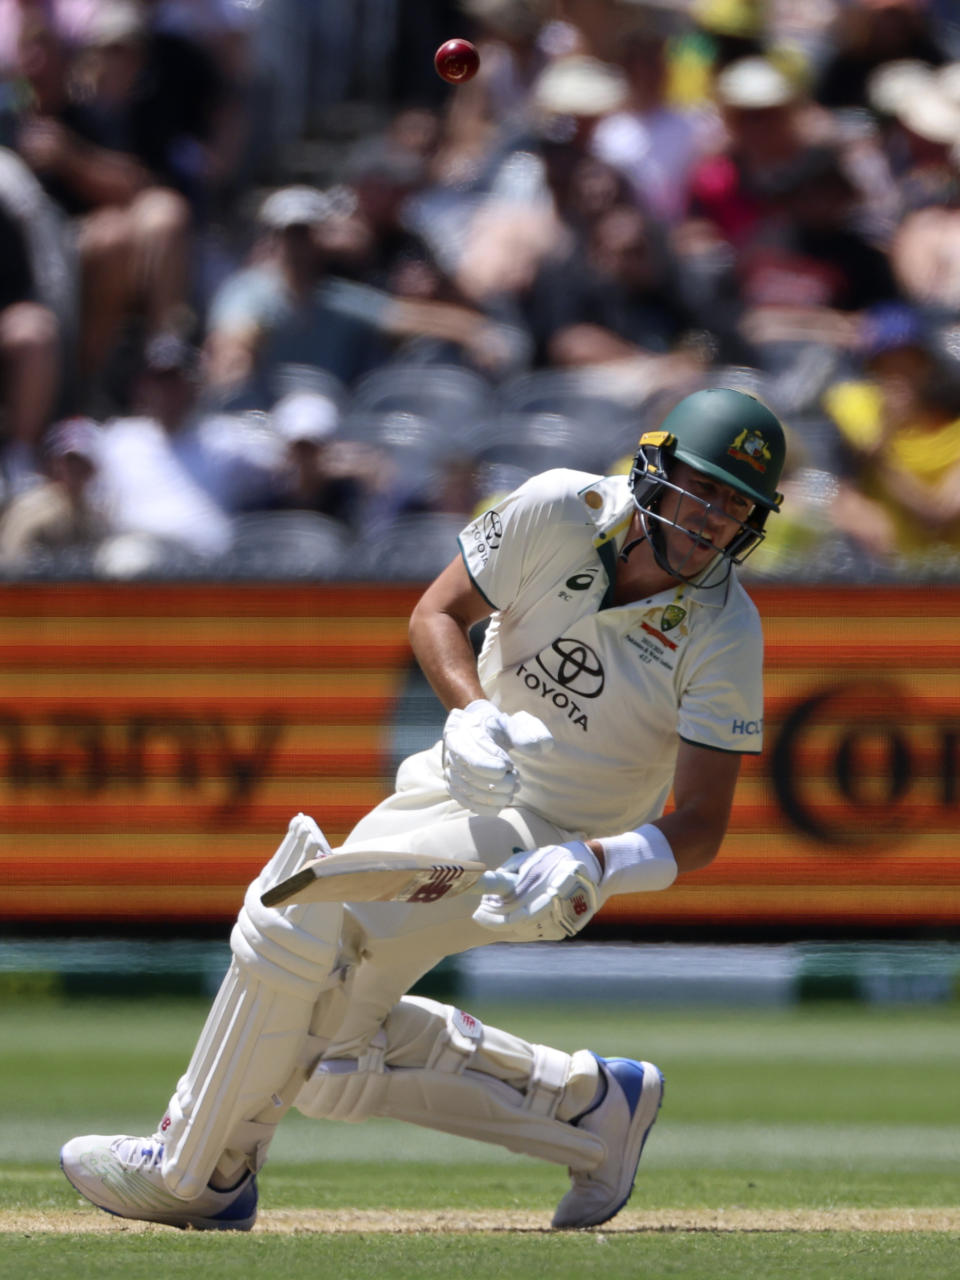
(728, 435)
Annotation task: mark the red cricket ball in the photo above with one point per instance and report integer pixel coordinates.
(456, 61)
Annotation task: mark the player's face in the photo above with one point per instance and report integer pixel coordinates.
(708, 515)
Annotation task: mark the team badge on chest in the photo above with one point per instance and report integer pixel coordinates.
(672, 616)
(651, 640)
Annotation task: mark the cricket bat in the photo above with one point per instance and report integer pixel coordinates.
(357, 875)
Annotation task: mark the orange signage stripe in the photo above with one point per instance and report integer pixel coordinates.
(216, 601)
(165, 656)
(158, 737)
(854, 656)
(840, 603)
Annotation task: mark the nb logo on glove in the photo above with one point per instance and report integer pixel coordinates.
(556, 894)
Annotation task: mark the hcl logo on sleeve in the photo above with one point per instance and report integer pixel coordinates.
(747, 727)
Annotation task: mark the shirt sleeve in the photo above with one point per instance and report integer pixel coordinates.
(506, 544)
(721, 705)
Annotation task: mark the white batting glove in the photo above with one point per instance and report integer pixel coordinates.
(477, 739)
(556, 894)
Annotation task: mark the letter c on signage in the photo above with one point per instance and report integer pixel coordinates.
(861, 806)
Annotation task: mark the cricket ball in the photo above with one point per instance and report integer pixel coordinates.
(456, 61)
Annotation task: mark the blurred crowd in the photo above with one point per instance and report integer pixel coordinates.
(275, 301)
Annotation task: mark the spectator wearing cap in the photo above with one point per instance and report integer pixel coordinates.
(893, 359)
(773, 255)
(899, 434)
(925, 248)
(65, 511)
(285, 313)
(865, 35)
(176, 473)
(152, 87)
(321, 473)
(921, 140)
(581, 88)
(280, 309)
(768, 125)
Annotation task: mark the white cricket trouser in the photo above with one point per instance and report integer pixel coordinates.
(349, 970)
(402, 941)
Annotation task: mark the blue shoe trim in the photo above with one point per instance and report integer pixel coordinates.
(244, 1205)
(628, 1075)
(242, 1210)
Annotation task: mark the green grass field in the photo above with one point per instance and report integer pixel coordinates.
(820, 1141)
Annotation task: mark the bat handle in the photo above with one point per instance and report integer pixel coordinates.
(502, 883)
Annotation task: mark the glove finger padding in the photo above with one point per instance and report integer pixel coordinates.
(525, 733)
(476, 768)
(469, 745)
(481, 797)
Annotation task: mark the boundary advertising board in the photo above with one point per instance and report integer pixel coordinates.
(155, 740)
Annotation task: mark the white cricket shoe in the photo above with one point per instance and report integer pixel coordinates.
(622, 1119)
(122, 1176)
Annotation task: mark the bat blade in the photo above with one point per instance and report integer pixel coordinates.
(354, 875)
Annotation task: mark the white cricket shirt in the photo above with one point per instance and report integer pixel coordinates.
(617, 686)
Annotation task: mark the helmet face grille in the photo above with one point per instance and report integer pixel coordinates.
(658, 498)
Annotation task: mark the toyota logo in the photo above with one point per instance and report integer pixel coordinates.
(492, 529)
(575, 666)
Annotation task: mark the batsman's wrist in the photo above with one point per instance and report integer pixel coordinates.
(637, 862)
(480, 706)
(591, 863)
(596, 848)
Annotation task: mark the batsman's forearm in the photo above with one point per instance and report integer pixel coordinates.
(442, 647)
(440, 635)
(694, 841)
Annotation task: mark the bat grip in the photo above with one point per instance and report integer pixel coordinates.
(503, 883)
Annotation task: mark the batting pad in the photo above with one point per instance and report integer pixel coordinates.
(256, 1033)
(449, 1093)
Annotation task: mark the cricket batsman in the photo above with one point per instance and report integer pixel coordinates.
(622, 661)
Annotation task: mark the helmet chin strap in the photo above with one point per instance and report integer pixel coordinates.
(660, 555)
(631, 546)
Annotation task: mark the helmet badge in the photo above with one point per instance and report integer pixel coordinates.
(751, 448)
